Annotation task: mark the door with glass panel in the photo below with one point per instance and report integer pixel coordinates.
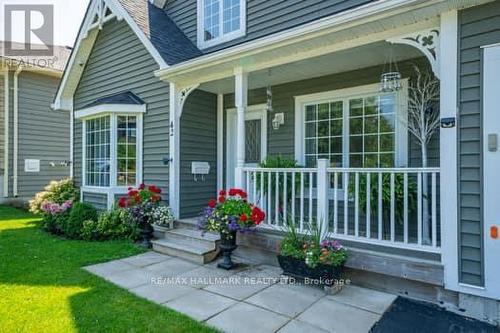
(255, 140)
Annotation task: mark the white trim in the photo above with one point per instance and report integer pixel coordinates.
(401, 136)
(490, 175)
(109, 108)
(200, 14)
(71, 141)
(15, 153)
(366, 13)
(6, 134)
(174, 150)
(253, 112)
(87, 30)
(220, 142)
(448, 150)
(114, 188)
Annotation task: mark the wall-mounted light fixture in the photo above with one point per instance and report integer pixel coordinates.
(278, 120)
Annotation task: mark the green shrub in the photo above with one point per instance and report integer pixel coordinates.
(113, 224)
(56, 192)
(53, 223)
(80, 212)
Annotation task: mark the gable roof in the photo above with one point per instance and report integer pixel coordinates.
(124, 98)
(57, 62)
(164, 34)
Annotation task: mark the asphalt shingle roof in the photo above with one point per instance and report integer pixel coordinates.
(127, 97)
(166, 37)
(55, 62)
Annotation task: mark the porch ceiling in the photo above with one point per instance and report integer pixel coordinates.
(347, 60)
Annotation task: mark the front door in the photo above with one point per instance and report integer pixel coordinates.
(255, 139)
(491, 174)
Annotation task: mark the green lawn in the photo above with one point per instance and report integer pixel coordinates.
(44, 289)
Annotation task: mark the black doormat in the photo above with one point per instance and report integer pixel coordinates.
(410, 316)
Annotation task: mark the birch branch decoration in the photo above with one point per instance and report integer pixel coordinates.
(423, 113)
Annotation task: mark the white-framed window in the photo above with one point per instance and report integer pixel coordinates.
(356, 127)
(112, 151)
(220, 21)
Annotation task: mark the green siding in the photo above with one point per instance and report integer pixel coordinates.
(43, 133)
(282, 141)
(119, 62)
(478, 26)
(264, 17)
(198, 143)
(98, 200)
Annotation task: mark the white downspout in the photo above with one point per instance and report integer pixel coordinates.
(16, 129)
(6, 134)
(71, 140)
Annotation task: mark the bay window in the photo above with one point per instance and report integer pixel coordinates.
(356, 127)
(111, 147)
(220, 21)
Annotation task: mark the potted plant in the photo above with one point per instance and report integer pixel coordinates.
(309, 257)
(140, 204)
(163, 220)
(228, 215)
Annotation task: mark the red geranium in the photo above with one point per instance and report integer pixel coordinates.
(222, 192)
(212, 203)
(243, 218)
(222, 199)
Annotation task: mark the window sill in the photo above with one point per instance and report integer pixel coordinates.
(220, 40)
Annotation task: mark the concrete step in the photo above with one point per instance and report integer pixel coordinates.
(193, 236)
(187, 223)
(198, 252)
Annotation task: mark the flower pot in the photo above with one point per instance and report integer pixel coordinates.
(324, 275)
(227, 246)
(146, 234)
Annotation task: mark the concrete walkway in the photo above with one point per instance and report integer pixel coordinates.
(251, 299)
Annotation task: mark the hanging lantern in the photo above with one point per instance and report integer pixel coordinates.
(390, 79)
(269, 103)
(390, 82)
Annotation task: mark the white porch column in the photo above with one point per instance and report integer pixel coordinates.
(448, 149)
(241, 102)
(174, 150)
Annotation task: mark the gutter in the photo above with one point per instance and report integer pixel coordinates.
(6, 134)
(346, 19)
(16, 130)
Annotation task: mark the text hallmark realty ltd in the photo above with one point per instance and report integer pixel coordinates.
(243, 280)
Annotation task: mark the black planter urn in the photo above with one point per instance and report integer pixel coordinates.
(227, 246)
(146, 231)
(324, 275)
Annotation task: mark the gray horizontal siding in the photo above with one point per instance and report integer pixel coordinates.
(119, 62)
(478, 26)
(98, 200)
(198, 143)
(282, 140)
(264, 17)
(43, 133)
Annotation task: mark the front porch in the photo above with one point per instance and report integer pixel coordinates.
(349, 161)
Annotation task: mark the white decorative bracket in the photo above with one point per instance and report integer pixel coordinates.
(427, 41)
(101, 12)
(183, 95)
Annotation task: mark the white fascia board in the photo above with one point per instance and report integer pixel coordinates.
(108, 109)
(342, 20)
(87, 26)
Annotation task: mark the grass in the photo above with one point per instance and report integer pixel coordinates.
(44, 289)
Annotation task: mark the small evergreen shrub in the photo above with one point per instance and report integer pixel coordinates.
(80, 212)
(113, 224)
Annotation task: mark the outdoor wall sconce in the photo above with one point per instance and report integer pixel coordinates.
(279, 119)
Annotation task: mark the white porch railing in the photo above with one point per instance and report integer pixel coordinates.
(396, 207)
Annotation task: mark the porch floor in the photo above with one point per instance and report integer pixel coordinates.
(248, 299)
